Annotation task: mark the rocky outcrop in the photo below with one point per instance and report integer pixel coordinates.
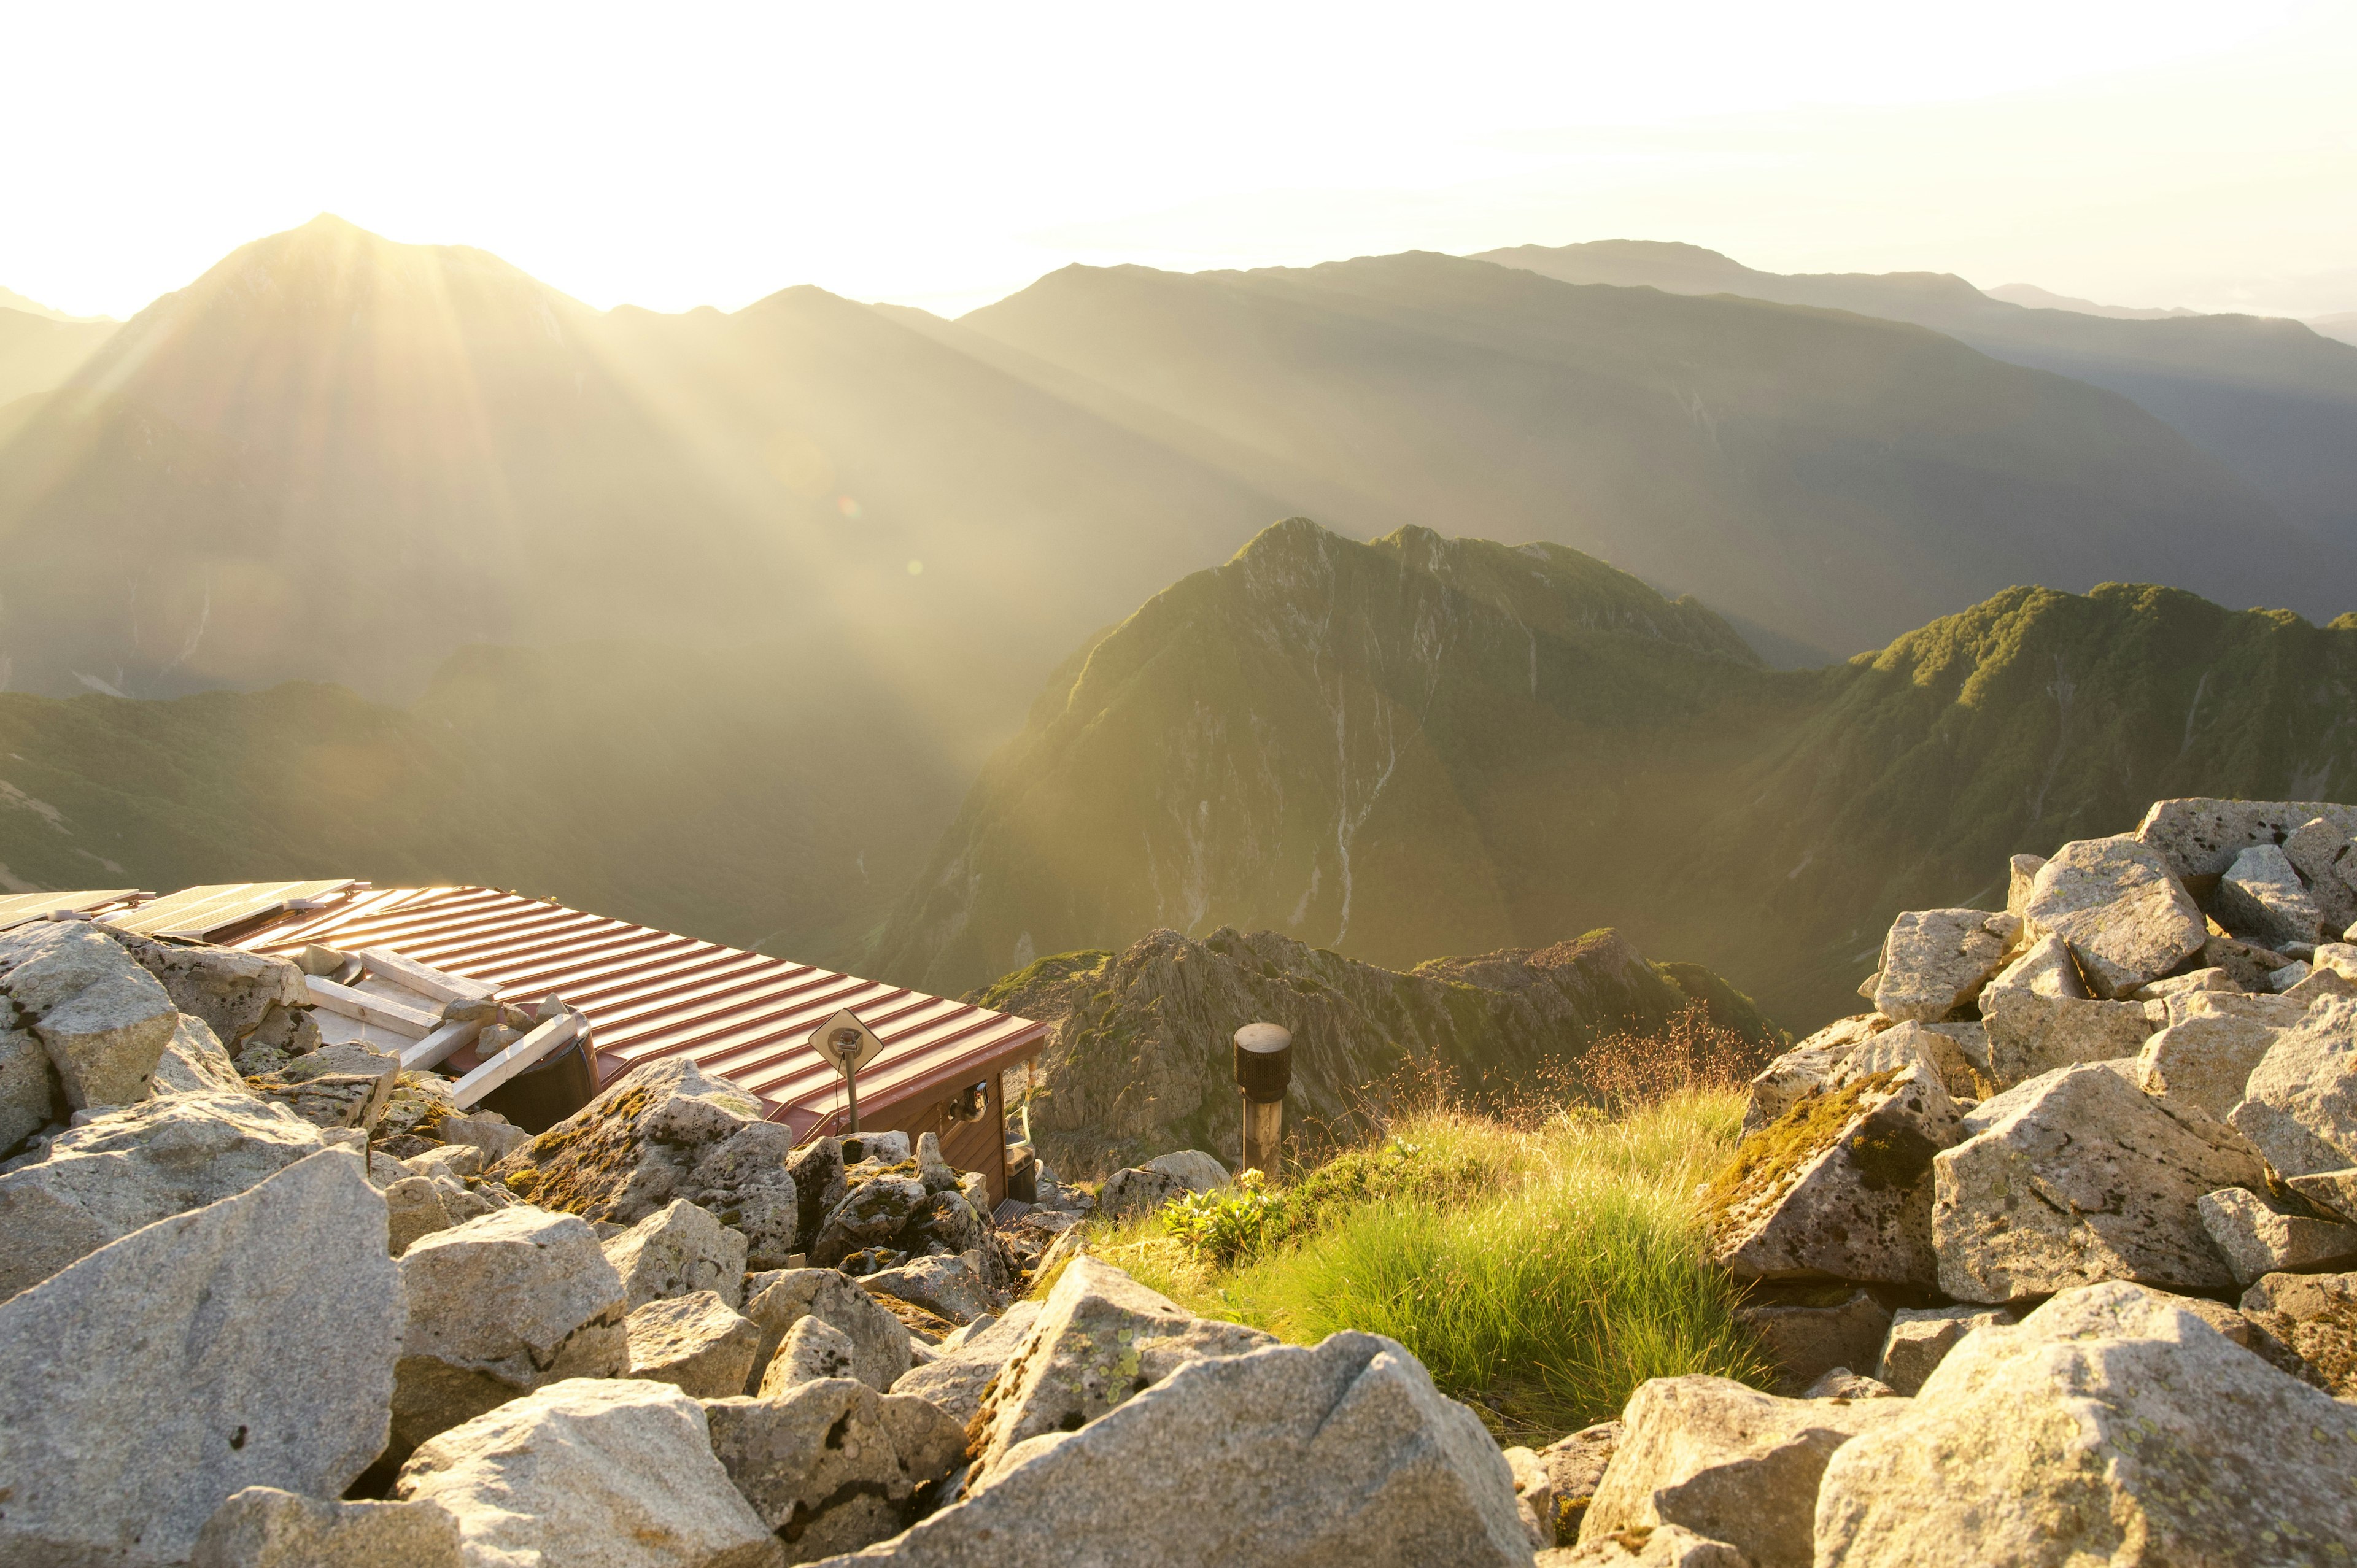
(617, 1474)
(247, 1343)
(665, 1132)
(2111, 1426)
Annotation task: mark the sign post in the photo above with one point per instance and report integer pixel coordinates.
(849, 1045)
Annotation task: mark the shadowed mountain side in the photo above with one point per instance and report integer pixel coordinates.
(761, 796)
(2272, 399)
(1139, 1063)
(1423, 743)
(1833, 479)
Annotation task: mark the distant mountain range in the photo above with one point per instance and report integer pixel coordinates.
(2032, 296)
(1423, 744)
(2273, 400)
(337, 457)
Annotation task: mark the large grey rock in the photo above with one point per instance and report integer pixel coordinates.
(1935, 961)
(677, 1251)
(2126, 919)
(415, 1209)
(1939, 1046)
(1805, 1342)
(2316, 1317)
(1920, 1339)
(1840, 1188)
(1806, 1067)
(1575, 1468)
(832, 1465)
(879, 1340)
(590, 1474)
(2111, 1426)
(2261, 898)
(2334, 1191)
(498, 1307)
(2190, 984)
(2197, 837)
(262, 1527)
(1534, 1496)
(817, 1170)
(1726, 1462)
(1101, 1339)
(2075, 1177)
(129, 1168)
(31, 1095)
(1137, 1191)
(249, 1343)
(812, 1351)
(347, 1084)
(947, 1287)
(103, 1020)
(2325, 858)
(235, 992)
(2256, 1237)
(2039, 1018)
(1199, 1171)
(2299, 1104)
(2205, 1054)
(933, 1168)
(955, 1380)
(1336, 1456)
(488, 1131)
(695, 1342)
(874, 1212)
(194, 1061)
(663, 1132)
(2020, 880)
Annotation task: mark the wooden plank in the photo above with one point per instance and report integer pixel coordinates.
(439, 1047)
(515, 1059)
(386, 965)
(382, 1010)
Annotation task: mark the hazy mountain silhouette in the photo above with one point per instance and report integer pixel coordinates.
(40, 352)
(2032, 297)
(11, 300)
(1831, 479)
(2270, 398)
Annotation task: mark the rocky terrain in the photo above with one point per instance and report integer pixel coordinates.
(1139, 1063)
(2053, 1249)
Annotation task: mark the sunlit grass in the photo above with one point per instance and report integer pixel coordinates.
(1540, 1269)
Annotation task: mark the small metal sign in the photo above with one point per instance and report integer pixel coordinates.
(846, 1042)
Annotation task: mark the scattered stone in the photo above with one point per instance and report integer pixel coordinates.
(1839, 1188)
(2290, 975)
(1644, 1546)
(817, 1170)
(236, 994)
(1806, 1067)
(678, 1250)
(1137, 1191)
(2197, 983)
(2201, 837)
(2126, 919)
(833, 1465)
(2335, 1192)
(1199, 1171)
(2246, 963)
(1339, 1453)
(2112, 1425)
(262, 1527)
(343, 1084)
(879, 1341)
(2299, 1104)
(1101, 1339)
(103, 1020)
(1805, 1342)
(935, 1172)
(2260, 898)
(2205, 1056)
(129, 1168)
(2075, 1176)
(1935, 961)
(879, 1148)
(486, 1130)
(950, 1288)
(415, 1209)
(249, 1343)
(2316, 1317)
(1574, 1465)
(2020, 880)
(871, 1260)
(499, 1306)
(872, 1213)
(604, 1474)
(193, 1061)
(955, 1380)
(696, 1343)
(2255, 1238)
(2325, 858)
(813, 1349)
(663, 1132)
(31, 1095)
(1841, 1383)
(1932, 1045)
(2039, 1018)
(457, 1162)
(1920, 1339)
(1726, 1462)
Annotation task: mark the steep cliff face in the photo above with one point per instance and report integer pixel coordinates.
(1425, 745)
(1140, 1063)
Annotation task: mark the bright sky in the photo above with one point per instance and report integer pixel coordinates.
(2144, 152)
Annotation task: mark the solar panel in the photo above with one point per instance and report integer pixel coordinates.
(201, 912)
(16, 908)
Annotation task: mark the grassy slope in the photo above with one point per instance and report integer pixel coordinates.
(1541, 1272)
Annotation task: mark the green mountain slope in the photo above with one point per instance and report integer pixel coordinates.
(1423, 744)
(1139, 1062)
(2273, 400)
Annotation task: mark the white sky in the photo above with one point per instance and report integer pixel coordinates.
(2153, 153)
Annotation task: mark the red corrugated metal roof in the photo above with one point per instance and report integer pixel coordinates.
(650, 993)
